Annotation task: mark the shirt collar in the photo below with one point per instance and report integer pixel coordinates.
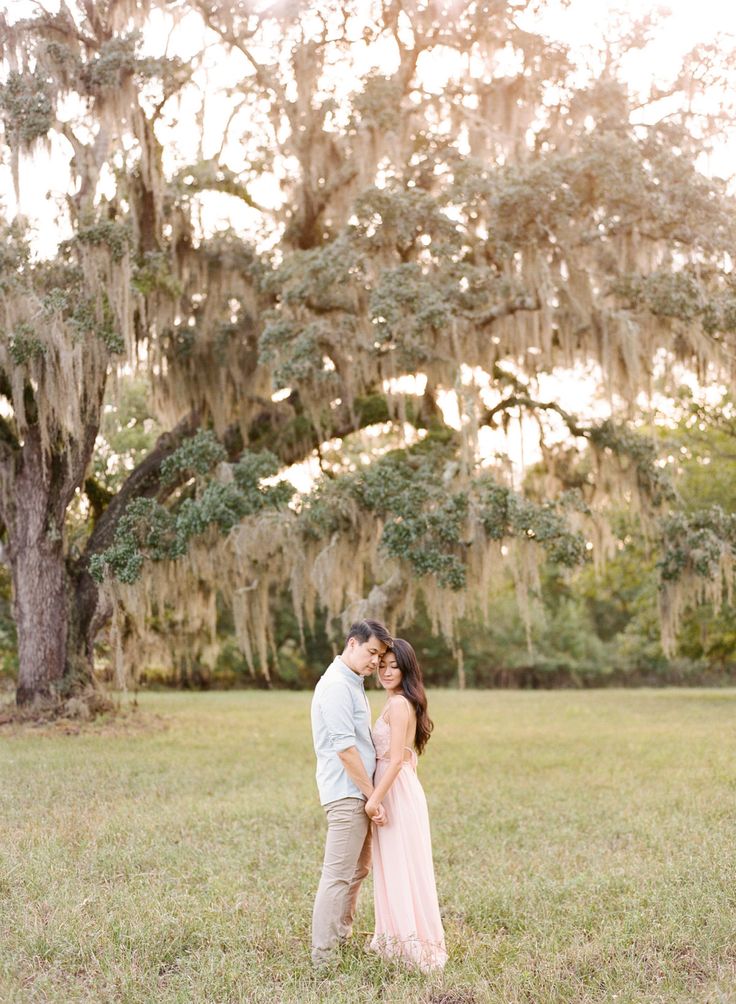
(346, 671)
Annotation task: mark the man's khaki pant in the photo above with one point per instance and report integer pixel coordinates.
(347, 862)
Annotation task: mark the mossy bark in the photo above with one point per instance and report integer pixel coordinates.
(50, 644)
(40, 582)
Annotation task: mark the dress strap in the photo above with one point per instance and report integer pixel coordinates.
(382, 716)
(413, 752)
(408, 749)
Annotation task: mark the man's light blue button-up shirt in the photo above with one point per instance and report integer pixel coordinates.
(340, 719)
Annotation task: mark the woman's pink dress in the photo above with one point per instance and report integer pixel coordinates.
(408, 924)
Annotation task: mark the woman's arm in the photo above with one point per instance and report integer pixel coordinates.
(354, 768)
(399, 715)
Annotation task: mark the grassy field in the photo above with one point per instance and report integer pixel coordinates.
(585, 848)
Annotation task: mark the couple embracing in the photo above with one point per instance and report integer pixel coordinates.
(374, 803)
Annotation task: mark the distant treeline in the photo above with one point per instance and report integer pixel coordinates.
(584, 634)
(592, 629)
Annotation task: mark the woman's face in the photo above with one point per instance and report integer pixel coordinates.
(389, 673)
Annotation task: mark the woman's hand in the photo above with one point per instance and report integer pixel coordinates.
(375, 811)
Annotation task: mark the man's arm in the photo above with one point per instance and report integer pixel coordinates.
(337, 712)
(354, 768)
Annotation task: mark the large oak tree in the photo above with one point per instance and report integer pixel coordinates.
(443, 192)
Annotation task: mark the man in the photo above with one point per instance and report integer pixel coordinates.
(346, 761)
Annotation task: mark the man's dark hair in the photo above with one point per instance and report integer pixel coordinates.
(362, 630)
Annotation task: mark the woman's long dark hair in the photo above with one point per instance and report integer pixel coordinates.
(412, 685)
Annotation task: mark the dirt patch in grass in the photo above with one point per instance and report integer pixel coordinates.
(458, 996)
(69, 720)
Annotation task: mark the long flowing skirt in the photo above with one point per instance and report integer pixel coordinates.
(408, 923)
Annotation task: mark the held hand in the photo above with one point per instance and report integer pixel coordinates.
(375, 811)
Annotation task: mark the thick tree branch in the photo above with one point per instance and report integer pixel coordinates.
(499, 310)
(282, 428)
(143, 482)
(524, 401)
(287, 431)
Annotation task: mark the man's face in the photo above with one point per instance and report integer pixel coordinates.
(365, 656)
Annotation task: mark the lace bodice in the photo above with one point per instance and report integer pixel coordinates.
(381, 733)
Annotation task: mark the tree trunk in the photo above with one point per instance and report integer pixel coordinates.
(36, 555)
(54, 655)
(40, 585)
(54, 613)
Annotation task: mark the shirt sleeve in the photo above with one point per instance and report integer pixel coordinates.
(336, 706)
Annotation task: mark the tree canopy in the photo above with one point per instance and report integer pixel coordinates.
(310, 227)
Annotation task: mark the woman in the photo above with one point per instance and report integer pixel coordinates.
(408, 924)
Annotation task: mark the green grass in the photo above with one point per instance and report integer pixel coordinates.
(585, 849)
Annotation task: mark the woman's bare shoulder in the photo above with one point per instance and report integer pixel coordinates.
(400, 701)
